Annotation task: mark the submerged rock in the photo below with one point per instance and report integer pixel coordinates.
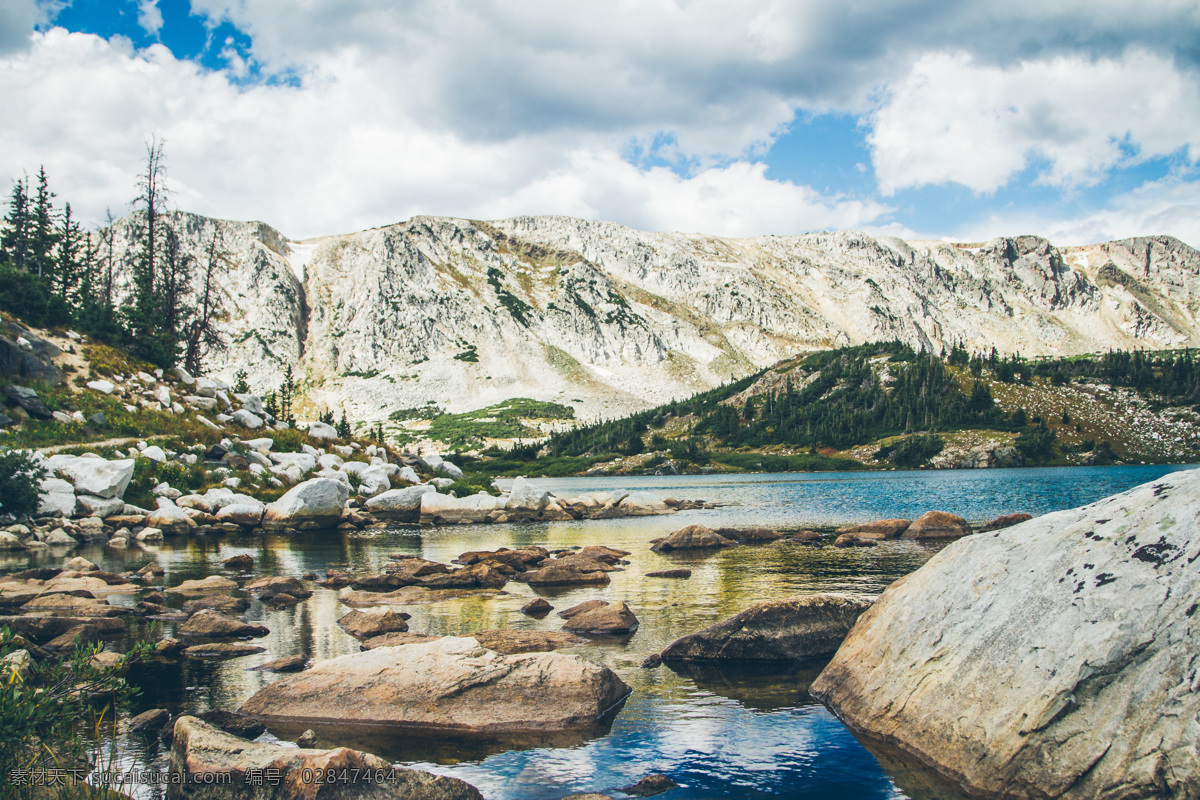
(1052, 659)
(372, 622)
(446, 685)
(792, 629)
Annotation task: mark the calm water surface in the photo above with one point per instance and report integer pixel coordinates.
(717, 733)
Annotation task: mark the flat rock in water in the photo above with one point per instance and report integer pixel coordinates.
(226, 604)
(510, 642)
(240, 562)
(670, 573)
(213, 583)
(202, 754)
(294, 663)
(587, 605)
(1053, 659)
(792, 629)
(222, 650)
(410, 595)
(422, 687)
(567, 575)
(74, 606)
(879, 529)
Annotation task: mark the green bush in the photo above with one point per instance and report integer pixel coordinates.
(54, 715)
(20, 482)
(147, 474)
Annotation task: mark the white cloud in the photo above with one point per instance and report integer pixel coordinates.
(954, 120)
(336, 155)
(150, 17)
(1170, 206)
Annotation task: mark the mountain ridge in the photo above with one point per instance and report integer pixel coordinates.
(463, 314)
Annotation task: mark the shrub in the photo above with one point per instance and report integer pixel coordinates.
(20, 482)
(47, 711)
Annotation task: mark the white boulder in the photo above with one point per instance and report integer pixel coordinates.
(316, 503)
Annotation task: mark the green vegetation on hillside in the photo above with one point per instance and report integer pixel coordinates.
(507, 420)
(910, 403)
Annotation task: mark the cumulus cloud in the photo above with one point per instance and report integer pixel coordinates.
(334, 156)
(486, 108)
(954, 120)
(150, 17)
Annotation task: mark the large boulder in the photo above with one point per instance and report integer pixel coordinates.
(524, 495)
(792, 629)
(171, 519)
(94, 476)
(937, 525)
(640, 504)
(214, 624)
(692, 537)
(322, 430)
(444, 509)
(315, 503)
(448, 685)
(28, 399)
(58, 500)
(1055, 659)
(210, 764)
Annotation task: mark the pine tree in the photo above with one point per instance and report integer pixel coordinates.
(201, 334)
(67, 268)
(343, 426)
(43, 233)
(15, 244)
(145, 317)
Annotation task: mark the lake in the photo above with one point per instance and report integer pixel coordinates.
(728, 733)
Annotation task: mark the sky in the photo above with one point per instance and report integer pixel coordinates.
(1078, 120)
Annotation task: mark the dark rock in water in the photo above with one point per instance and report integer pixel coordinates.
(370, 622)
(538, 607)
(693, 537)
(241, 562)
(78, 635)
(749, 534)
(308, 739)
(792, 629)
(808, 537)
(1053, 659)
(650, 786)
(272, 585)
(651, 661)
(150, 721)
(210, 764)
(28, 399)
(294, 663)
(396, 640)
(168, 647)
(232, 723)
(670, 573)
(566, 575)
(1006, 521)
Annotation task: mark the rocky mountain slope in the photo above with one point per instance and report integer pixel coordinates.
(606, 319)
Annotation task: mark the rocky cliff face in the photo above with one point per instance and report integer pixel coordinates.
(607, 319)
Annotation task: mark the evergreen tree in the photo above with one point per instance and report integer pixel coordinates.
(145, 317)
(15, 243)
(43, 232)
(343, 426)
(202, 336)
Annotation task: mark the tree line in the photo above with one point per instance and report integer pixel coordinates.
(55, 274)
(836, 399)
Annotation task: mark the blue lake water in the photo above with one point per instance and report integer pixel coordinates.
(728, 733)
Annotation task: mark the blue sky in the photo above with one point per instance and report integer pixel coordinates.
(1075, 120)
